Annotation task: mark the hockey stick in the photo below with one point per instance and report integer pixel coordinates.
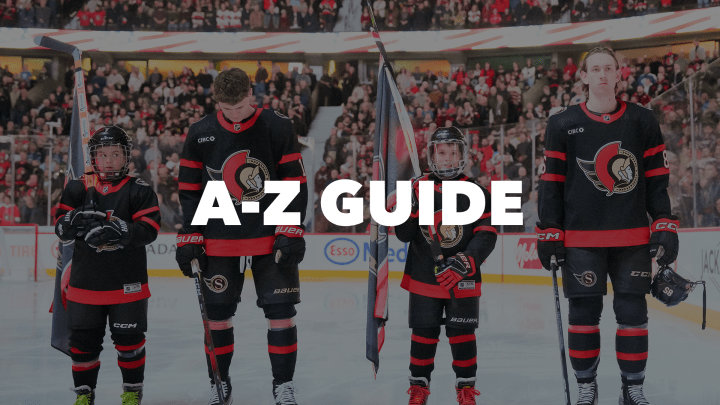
(208, 337)
(561, 337)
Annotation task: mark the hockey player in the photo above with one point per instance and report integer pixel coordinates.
(466, 247)
(244, 146)
(111, 217)
(606, 170)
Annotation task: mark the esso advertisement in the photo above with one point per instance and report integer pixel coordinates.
(342, 251)
(348, 252)
(526, 254)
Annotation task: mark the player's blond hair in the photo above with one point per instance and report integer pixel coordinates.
(583, 65)
(231, 86)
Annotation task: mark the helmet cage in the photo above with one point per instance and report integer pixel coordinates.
(455, 170)
(114, 174)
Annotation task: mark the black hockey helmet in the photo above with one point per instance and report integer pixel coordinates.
(450, 136)
(669, 287)
(110, 136)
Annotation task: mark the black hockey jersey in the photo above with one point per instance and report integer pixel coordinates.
(476, 240)
(603, 175)
(244, 155)
(112, 274)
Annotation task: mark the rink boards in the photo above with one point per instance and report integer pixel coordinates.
(514, 260)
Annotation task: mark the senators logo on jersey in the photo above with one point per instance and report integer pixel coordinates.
(614, 170)
(243, 175)
(449, 235)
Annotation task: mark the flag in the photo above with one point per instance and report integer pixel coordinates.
(395, 158)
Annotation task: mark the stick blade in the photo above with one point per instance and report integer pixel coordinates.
(38, 39)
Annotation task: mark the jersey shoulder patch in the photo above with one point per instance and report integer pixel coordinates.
(279, 114)
(560, 111)
(141, 182)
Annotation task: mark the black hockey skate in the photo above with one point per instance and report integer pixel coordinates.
(632, 395)
(132, 394)
(419, 391)
(587, 393)
(284, 393)
(227, 393)
(85, 395)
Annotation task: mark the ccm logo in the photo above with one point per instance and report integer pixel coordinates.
(125, 325)
(189, 239)
(289, 230)
(576, 131)
(206, 139)
(549, 236)
(666, 225)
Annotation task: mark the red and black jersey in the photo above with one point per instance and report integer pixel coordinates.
(112, 274)
(244, 155)
(476, 240)
(603, 175)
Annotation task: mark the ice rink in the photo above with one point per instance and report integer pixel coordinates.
(518, 360)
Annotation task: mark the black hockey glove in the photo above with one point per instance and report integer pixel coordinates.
(75, 223)
(455, 269)
(289, 247)
(664, 234)
(190, 246)
(551, 242)
(109, 233)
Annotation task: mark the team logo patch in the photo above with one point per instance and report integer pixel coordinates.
(216, 284)
(613, 170)
(279, 114)
(141, 182)
(243, 175)
(449, 235)
(588, 278)
(606, 117)
(105, 189)
(237, 126)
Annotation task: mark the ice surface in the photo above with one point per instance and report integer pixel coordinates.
(518, 358)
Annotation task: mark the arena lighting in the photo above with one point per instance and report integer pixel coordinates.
(287, 190)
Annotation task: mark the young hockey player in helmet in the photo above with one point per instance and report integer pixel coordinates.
(430, 284)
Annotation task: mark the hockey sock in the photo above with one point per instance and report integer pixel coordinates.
(282, 348)
(631, 346)
(422, 351)
(464, 351)
(85, 348)
(131, 356)
(224, 343)
(584, 337)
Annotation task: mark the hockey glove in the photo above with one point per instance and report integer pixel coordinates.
(551, 242)
(455, 269)
(664, 233)
(109, 233)
(190, 246)
(289, 247)
(74, 224)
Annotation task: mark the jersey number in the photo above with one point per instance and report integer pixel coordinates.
(665, 160)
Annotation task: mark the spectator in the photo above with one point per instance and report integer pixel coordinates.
(26, 16)
(159, 16)
(530, 213)
(256, 18)
(42, 15)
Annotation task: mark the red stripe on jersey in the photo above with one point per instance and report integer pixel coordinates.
(584, 329)
(189, 186)
(421, 362)
(605, 118)
(290, 158)
(461, 339)
(237, 127)
(436, 290)
(632, 332)
(556, 155)
(301, 179)
(191, 164)
(485, 228)
(632, 356)
(130, 348)
(657, 172)
(282, 349)
(221, 350)
(65, 207)
(613, 238)
(653, 151)
(465, 363)
(423, 340)
(86, 366)
(131, 364)
(552, 177)
(584, 354)
(151, 222)
(483, 216)
(90, 297)
(146, 211)
(239, 247)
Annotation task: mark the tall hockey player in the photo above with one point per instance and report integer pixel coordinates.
(466, 247)
(111, 217)
(606, 170)
(244, 147)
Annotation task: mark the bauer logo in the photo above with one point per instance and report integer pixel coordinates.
(526, 254)
(342, 251)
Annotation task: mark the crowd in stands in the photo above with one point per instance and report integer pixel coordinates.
(427, 15)
(493, 103)
(156, 111)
